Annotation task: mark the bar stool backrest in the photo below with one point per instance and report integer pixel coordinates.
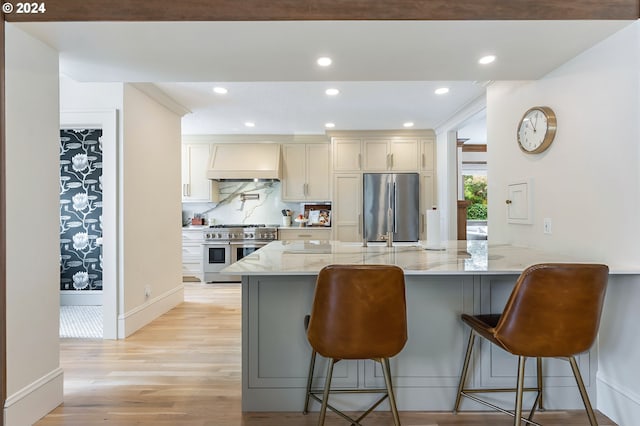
(554, 310)
(359, 312)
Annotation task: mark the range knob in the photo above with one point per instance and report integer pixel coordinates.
(248, 235)
(207, 235)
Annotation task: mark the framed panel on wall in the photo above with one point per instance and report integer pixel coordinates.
(520, 202)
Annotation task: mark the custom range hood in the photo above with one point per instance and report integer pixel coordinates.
(245, 161)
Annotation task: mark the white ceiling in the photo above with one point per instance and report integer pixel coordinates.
(386, 70)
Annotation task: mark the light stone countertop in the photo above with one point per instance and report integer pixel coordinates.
(459, 257)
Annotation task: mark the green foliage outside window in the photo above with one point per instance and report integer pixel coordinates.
(475, 191)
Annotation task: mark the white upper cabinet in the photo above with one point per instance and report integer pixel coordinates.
(376, 155)
(347, 154)
(428, 154)
(196, 187)
(306, 172)
(397, 155)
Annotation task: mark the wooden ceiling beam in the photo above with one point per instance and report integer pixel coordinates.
(285, 10)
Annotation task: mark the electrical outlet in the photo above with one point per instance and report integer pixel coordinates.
(147, 291)
(547, 225)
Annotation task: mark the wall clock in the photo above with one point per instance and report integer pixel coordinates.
(536, 129)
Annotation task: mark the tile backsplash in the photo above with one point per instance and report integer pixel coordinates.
(231, 209)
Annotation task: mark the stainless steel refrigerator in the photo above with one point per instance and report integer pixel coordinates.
(391, 203)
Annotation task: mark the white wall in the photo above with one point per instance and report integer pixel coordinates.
(587, 182)
(76, 95)
(34, 378)
(99, 105)
(148, 196)
(151, 239)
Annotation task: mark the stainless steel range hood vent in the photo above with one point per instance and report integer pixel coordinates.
(245, 161)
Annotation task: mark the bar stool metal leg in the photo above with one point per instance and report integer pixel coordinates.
(312, 364)
(465, 368)
(386, 369)
(325, 398)
(518, 413)
(537, 403)
(583, 391)
(539, 371)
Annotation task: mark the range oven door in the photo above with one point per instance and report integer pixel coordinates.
(243, 249)
(215, 257)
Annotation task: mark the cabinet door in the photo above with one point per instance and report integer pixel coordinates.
(427, 199)
(376, 155)
(346, 217)
(293, 172)
(347, 155)
(403, 155)
(318, 182)
(192, 252)
(195, 161)
(428, 155)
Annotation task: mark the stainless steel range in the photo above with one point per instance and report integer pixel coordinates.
(226, 244)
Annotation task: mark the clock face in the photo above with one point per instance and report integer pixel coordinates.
(536, 130)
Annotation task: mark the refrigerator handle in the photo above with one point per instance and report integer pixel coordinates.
(390, 208)
(395, 206)
(360, 225)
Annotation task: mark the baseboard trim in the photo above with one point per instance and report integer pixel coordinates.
(76, 298)
(35, 400)
(618, 402)
(135, 319)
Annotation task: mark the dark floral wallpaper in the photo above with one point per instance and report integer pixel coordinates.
(80, 209)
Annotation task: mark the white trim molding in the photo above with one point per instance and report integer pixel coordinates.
(107, 120)
(135, 319)
(45, 393)
(160, 96)
(619, 403)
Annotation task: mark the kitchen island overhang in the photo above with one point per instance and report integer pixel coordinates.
(471, 277)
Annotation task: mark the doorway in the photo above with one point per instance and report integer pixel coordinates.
(472, 175)
(81, 233)
(88, 286)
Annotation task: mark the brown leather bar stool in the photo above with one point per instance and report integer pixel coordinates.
(359, 312)
(553, 311)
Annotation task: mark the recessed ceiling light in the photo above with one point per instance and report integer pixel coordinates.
(441, 91)
(332, 92)
(324, 61)
(408, 124)
(329, 125)
(220, 90)
(250, 124)
(486, 59)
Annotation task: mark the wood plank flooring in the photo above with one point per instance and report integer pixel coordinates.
(184, 369)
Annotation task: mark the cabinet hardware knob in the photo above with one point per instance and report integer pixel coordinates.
(508, 201)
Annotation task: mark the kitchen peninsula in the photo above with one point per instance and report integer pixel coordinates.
(467, 276)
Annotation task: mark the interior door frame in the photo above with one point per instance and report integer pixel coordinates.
(107, 121)
(277, 10)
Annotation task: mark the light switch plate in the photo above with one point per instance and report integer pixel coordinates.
(547, 225)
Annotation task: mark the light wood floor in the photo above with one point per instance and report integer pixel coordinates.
(184, 369)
